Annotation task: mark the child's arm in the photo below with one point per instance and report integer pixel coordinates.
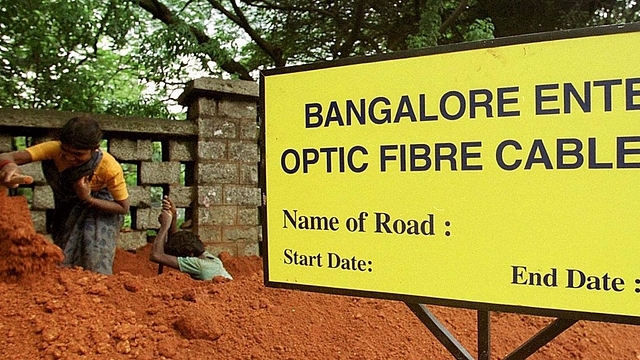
(157, 254)
(167, 204)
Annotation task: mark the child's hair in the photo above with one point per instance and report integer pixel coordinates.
(82, 133)
(184, 244)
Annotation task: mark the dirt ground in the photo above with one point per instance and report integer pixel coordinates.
(58, 313)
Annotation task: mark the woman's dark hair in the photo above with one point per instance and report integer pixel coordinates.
(82, 133)
(184, 244)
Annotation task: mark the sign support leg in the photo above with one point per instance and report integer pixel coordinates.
(440, 331)
(540, 339)
(456, 349)
(484, 335)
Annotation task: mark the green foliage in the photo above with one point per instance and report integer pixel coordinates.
(480, 29)
(128, 57)
(20, 143)
(27, 192)
(156, 196)
(156, 151)
(130, 174)
(126, 222)
(429, 25)
(72, 55)
(620, 12)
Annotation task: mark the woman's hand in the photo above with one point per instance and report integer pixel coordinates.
(10, 171)
(83, 189)
(9, 175)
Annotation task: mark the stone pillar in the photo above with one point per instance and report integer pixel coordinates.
(226, 164)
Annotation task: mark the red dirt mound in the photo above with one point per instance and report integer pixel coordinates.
(137, 314)
(23, 252)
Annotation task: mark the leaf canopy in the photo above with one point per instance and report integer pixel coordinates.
(132, 57)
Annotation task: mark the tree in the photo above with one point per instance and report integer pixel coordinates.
(70, 55)
(517, 17)
(296, 31)
(281, 32)
(101, 55)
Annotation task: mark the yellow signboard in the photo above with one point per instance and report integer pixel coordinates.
(499, 175)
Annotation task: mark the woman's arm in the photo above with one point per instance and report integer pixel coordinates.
(19, 157)
(157, 254)
(83, 190)
(116, 206)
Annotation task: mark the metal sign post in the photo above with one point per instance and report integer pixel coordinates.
(458, 351)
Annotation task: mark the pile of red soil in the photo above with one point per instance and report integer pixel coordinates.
(136, 314)
(23, 252)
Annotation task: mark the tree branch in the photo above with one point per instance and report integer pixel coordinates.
(274, 6)
(275, 53)
(347, 47)
(447, 23)
(164, 14)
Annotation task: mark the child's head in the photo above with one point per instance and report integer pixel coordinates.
(184, 244)
(81, 133)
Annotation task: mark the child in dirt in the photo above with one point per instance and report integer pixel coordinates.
(182, 249)
(89, 190)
